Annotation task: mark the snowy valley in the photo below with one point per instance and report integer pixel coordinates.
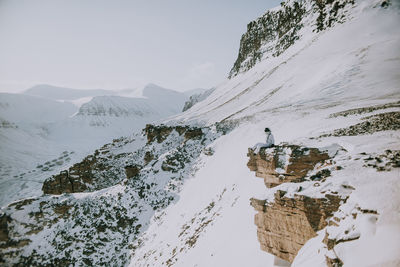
(147, 185)
(43, 133)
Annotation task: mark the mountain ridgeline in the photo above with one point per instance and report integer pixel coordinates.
(277, 30)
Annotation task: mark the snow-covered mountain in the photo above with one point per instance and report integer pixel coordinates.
(196, 98)
(37, 130)
(21, 109)
(63, 93)
(323, 76)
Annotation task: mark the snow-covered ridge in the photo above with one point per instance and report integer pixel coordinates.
(116, 106)
(68, 94)
(279, 28)
(196, 98)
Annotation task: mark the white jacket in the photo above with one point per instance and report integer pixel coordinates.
(270, 141)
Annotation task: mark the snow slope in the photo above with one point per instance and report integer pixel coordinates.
(335, 83)
(348, 66)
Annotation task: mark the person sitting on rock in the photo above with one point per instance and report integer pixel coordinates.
(269, 141)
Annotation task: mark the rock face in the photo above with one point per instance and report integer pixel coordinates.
(79, 178)
(286, 163)
(160, 132)
(286, 224)
(278, 29)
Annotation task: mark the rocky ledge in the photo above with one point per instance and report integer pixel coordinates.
(285, 163)
(286, 222)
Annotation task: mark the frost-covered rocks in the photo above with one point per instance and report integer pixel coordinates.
(286, 163)
(286, 223)
(122, 188)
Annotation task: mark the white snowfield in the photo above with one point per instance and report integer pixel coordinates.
(351, 65)
(51, 133)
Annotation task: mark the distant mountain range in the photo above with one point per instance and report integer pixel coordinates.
(45, 121)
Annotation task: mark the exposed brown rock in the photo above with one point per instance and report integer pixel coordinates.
(285, 163)
(286, 224)
(335, 262)
(4, 220)
(132, 171)
(148, 156)
(389, 121)
(58, 184)
(74, 180)
(193, 133)
(62, 209)
(161, 132)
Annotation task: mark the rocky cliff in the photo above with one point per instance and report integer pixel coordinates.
(286, 223)
(278, 29)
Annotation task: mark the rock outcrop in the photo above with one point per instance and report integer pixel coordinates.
(286, 224)
(100, 170)
(79, 178)
(160, 132)
(285, 163)
(388, 121)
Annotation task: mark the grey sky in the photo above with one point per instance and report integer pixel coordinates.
(114, 44)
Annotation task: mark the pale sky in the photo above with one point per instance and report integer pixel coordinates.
(116, 44)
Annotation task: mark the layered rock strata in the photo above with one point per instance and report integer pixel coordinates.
(286, 223)
(286, 163)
